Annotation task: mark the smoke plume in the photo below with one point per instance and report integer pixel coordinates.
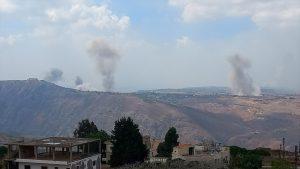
(106, 58)
(241, 82)
(78, 81)
(54, 75)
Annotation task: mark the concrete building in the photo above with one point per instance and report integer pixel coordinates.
(106, 151)
(151, 144)
(214, 154)
(54, 153)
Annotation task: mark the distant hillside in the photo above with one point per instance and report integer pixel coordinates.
(218, 91)
(4, 138)
(38, 108)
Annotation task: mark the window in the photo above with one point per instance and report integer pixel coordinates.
(94, 163)
(191, 150)
(44, 167)
(27, 167)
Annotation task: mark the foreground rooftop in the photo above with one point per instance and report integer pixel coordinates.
(55, 142)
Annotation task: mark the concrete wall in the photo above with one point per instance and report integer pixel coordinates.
(92, 162)
(38, 166)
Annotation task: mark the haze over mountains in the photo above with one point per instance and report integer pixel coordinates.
(39, 108)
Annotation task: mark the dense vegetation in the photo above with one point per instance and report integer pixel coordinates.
(3, 152)
(87, 129)
(128, 147)
(281, 164)
(165, 148)
(173, 164)
(242, 158)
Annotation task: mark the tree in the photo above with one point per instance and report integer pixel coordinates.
(165, 149)
(245, 159)
(252, 161)
(101, 134)
(128, 147)
(85, 128)
(3, 151)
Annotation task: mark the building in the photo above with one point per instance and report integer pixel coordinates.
(202, 152)
(106, 151)
(54, 153)
(151, 144)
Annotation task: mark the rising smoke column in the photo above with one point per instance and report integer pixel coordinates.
(241, 82)
(54, 75)
(78, 81)
(106, 58)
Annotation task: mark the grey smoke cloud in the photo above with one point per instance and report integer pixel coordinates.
(106, 58)
(241, 82)
(54, 75)
(78, 81)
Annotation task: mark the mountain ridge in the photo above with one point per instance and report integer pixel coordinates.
(38, 108)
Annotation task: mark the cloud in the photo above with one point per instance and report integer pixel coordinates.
(182, 41)
(10, 39)
(268, 13)
(7, 6)
(83, 15)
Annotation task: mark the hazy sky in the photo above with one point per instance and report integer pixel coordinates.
(160, 43)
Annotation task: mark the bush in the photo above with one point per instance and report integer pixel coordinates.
(280, 164)
(3, 151)
(246, 159)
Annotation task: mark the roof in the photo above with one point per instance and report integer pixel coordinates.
(55, 142)
(183, 145)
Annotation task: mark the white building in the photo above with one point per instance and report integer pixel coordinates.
(214, 154)
(55, 153)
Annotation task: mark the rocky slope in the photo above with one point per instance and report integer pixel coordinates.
(39, 108)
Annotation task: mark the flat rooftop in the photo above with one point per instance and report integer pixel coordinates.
(54, 142)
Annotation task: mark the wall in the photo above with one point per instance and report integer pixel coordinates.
(93, 162)
(38, 166)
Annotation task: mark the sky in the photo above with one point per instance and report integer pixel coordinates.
(156, 44)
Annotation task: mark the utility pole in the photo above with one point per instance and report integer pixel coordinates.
(280, 147)
(296, 156)
(283, 147)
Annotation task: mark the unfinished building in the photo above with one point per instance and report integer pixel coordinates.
(55, 153)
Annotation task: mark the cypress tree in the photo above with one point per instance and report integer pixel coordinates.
(128, 147)
(165, 149)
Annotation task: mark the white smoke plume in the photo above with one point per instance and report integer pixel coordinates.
(83, 86)
(106, 58)
(241, 82)
(54, 75)
(78, 81)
